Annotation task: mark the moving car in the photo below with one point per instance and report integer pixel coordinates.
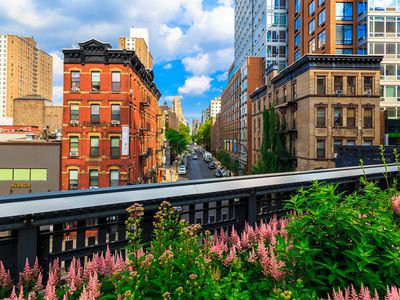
(194, 156)
(182, 170)
(212, 165)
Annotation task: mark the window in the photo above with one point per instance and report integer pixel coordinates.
(368, 142)
(321, 17)
(73, 145)
(321, 85)
(336, 144)
(95, 113)
(368, 85)
(93, 178)
(38, 174)
(73, 179)
(294, 91)
(95, 81)
(22, 174)
(311, 8)
(321, 2)
(114, 177)
(344, 34)
(297, 41)
(344, 11)
(351, 117)
(297, 6)
(337, 117)
(320, 148)
(297, 24)
(116, 82)
(344, 51)
(94, 146)
(321, 117)
(351, 85)
(311, 46)
(115, 112)
(322, 39)
(74, 112)
(297, 55)
(75, 81)
(115, 148)
(338, 84)
(6, 174)
(368, 117)
(311, 27)
(351, 142)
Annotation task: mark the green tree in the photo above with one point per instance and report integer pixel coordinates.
(272, 148)
(177, 140)
(203, 136)
(185, 132)
(229, 162)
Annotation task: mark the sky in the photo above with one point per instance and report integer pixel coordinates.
(191, 40)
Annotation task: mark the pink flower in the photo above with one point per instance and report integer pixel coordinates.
(231, 257)
(396, 204)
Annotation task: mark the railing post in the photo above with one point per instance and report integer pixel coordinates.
(27, 245)
(205, 213)
(252, 210)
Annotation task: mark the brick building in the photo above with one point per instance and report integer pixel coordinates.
(315, 117)
(42, 113)
(215, 132)
(110, 118)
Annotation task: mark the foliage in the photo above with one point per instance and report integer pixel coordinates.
(177, 140)
(272, 148)
(203, 135)
(227, 161)
(338, 240)
(185, 132)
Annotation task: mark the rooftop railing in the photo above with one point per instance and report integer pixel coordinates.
(79, 223)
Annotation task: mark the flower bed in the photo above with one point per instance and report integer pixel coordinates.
(333, 246)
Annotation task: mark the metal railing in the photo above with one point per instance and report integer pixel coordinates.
(80, 223)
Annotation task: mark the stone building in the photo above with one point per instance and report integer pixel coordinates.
(323, 102)
(37, 111)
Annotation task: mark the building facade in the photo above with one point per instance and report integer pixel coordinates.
(42, 113)
(215, 107)
(29, 167)
(139, 42)
(205, 115)
(229, 136)
(110, 118)
(315, 117)
(215, 132)
(195, 126)
(25, 70)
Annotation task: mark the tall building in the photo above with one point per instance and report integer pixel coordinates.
(176, 107)
(195, 126)
(378, 34)
(24, 70)
(215, 107)
(110, 118)
(139, 42)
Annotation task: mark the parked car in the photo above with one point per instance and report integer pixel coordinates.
(194, 156)
(218, 173)
(207, 157)
(212, 165)
(182, 170)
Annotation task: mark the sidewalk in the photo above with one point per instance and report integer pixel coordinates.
(172, 174)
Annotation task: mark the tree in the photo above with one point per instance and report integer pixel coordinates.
(229, 162)
(203, 136)
(185, 132)
(177, 140)
(272, 148)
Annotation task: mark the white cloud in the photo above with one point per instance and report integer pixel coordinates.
(195, 85)
(58, 64)
(168, 66)
(198, 64)
(222, 77)
(58, 95)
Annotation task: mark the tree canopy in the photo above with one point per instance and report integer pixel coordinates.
(203, 135)
(178, 140)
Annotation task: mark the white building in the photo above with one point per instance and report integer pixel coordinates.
(3, 74)
(215, 107)
(379, 33)
(260, 30)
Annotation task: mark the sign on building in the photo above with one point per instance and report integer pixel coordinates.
(125, 140)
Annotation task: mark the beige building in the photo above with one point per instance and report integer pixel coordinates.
(140, 43)
(324, 101)
(37, 111)
(29, 71)
(215, 107)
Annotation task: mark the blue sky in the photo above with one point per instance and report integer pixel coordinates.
(191, 40)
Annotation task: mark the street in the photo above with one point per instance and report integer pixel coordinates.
(197, 169)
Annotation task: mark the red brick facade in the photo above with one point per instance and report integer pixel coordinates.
(93, 153)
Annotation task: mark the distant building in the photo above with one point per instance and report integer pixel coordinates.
(24, 70)
(37, 111)
(171, 119)
(195, 126)
(110, 118)
(215, 107)
(139, 42)
(161, 144)
(29, 167)
(259, 104)
(215, 134)
(205, 115)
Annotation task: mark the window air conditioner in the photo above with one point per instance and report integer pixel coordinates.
(74, 122)
(339, 92)
(73, 154)
(115, 122)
